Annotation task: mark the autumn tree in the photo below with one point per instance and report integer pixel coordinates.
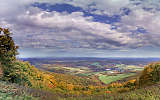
(150, 75)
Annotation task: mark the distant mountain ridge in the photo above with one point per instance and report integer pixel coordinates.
(127, 61)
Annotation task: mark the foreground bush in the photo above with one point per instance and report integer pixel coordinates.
(150, 75)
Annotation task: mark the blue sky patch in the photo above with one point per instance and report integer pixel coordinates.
(70, 8)
(58, 7)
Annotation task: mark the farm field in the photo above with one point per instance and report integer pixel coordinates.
(108, 79)
(68, 70)
(119, 71)
(134, 68)
(103, 71)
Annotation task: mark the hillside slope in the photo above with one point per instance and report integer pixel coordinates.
(27, 75)
(145, 87)
(148, 93)
(59, 86)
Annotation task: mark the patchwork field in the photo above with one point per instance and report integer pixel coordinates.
(134, 68)
(108, 79)
(105, 74)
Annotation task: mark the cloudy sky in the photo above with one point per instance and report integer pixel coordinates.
(83, 28)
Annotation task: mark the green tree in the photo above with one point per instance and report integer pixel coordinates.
(8, 51)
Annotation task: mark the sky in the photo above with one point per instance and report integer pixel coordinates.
(83, 28)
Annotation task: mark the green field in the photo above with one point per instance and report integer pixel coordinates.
(134, 68)
(108, 79)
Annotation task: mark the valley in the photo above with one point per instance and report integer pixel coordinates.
(104, 70)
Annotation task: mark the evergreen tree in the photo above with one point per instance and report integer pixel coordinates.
(8, 51)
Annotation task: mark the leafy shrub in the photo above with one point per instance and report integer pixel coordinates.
(13, 92)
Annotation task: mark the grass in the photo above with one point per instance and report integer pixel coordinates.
(108, 79)
(91, 73)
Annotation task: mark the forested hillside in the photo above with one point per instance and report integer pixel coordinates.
(51, 86)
